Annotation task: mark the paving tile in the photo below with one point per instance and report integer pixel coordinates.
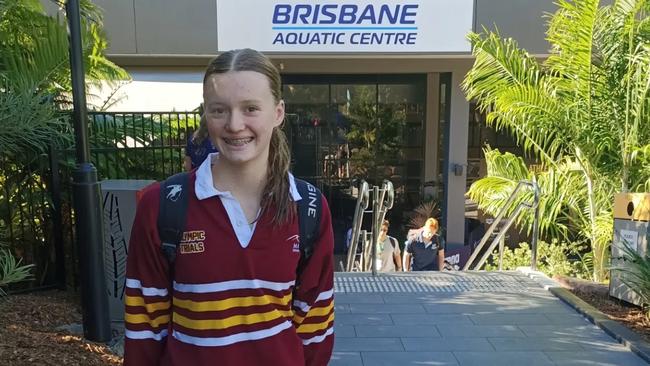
(364, 319)
(535, 344)
(356, 298)
(502, 358)
(481, 308)
(430, 319)
(447, 344)
(596, 358)
(408, 358)
(549, 331)
(509, 319)
(386, 308)
(567, 319)
(341, 308)
(346, 359)
(397, 331)
(367, 344)
(484, 331)
(344, 330)
(418, 299)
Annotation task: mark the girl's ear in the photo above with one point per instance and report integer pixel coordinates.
(279, 113)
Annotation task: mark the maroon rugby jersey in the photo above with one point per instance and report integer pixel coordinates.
(227, 305)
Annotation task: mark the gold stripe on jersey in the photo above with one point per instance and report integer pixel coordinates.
(313, 312)
(232, 321)
(235, 302)
(311, 328)
(151, 307)
(144, 318)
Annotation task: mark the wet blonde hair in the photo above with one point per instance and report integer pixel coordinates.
(276, 191)
(431, 224)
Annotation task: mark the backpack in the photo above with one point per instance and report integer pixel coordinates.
(173, 211)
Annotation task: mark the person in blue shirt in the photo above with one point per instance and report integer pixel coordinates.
(198, 147)
(426, 252)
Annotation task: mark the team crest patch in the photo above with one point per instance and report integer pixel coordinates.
(192, 242)
(295, 239)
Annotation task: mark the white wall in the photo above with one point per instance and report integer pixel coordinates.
(154, 90)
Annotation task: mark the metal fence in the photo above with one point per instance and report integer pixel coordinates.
(36, 211)
(36, 214)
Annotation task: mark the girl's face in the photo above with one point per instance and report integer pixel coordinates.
(427, 234)
(241, 113)
(383, 233)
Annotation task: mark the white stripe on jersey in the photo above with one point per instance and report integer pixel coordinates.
(301, 305)
(231, 339)
(146, 291)
(306, 307)
(203, 288)
(319, 338)
(145, 334)
(325, 295)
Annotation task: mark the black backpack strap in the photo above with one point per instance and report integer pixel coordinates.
(309, 214)
(174, 192)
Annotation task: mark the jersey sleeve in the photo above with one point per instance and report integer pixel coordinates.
(147, 295)
(313, 303)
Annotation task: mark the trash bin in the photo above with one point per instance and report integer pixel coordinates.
(631, 220)
(119, 199)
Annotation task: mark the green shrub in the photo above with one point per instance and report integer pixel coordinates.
(553, 258)
(636, 275)
(11, 271)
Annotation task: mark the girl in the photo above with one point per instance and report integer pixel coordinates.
(198, 147)
(233, 296)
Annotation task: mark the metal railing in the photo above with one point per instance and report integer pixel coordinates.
(499, 238)
(383, 199)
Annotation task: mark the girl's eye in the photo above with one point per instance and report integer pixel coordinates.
(252, 108)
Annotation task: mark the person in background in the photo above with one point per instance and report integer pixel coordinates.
(427, 251)
(198, 147)
(388, 254)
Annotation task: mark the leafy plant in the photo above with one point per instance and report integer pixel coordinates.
(11, 270)
(422, 212)
(581, 113)
(553, 258)
(636, 274)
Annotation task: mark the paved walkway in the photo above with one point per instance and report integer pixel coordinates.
(463, 318)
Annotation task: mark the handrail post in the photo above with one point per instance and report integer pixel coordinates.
(492, 227)
(375, 228)
(533, 244)
(502, 244)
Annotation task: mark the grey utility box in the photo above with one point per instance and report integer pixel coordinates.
(631, 226)
(119, 200)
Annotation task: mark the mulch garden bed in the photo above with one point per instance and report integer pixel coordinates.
(28, 334)
(597, 295)
(29, 323)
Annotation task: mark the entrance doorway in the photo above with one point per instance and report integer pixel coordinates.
(347, 127)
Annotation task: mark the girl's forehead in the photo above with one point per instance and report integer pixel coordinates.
(237, 85)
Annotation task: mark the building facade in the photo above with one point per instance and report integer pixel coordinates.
(372, 88)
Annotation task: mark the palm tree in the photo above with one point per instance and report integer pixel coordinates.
(586, 105)
(35, 91)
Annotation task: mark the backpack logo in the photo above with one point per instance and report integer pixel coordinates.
(175, 191)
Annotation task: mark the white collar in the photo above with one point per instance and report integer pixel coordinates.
(204, 186)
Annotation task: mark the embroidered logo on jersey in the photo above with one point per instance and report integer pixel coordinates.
(295, 239)
(192, 242)
(175, 191)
